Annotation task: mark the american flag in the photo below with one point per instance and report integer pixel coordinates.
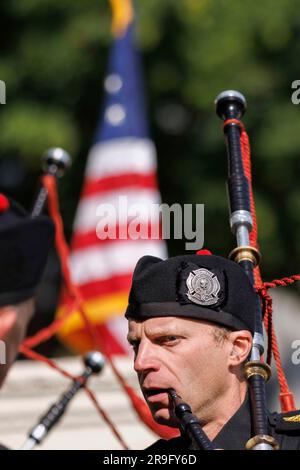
(120, 171)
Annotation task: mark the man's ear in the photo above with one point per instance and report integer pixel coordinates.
(8, 318)
(241, 342)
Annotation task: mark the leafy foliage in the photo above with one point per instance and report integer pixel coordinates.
(53, 59)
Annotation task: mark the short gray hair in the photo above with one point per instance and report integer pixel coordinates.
(221, 334)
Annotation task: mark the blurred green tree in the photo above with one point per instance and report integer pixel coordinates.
(53, 60)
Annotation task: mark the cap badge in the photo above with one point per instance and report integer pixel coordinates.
(203, 287)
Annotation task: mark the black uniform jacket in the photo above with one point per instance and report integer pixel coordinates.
(284, 427)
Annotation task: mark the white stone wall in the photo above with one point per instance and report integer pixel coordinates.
(286, 316)
(32, 387)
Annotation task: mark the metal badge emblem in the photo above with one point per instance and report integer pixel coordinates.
(203, 287)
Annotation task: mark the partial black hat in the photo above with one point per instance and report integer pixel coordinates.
(200, 286)
(24, 247)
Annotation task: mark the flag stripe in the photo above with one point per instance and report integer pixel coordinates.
(97, 288)
(89, 239)
(117, 326)
(101, 308)
(80, 341)
(108, 286)
(121, 156)
(132, 180)
(120, 258)
(104, 309)
(115, 205)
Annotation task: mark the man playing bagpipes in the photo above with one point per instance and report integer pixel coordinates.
(191, 325)
(196, 326)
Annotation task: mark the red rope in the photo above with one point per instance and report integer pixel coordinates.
(106, 417)
(138, 403)
(285, 281)
(286, 397)
(46, 333)
(38, 357)
(49, 183)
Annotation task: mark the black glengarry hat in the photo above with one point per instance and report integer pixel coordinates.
(24, 247)
(199, 286)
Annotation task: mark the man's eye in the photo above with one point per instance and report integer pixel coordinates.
(134, 346)
(168, 339)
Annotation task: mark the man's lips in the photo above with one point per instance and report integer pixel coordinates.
(155, 394)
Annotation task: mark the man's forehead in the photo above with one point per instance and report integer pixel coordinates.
(161, 324)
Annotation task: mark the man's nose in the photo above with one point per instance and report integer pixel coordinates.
(146, 358)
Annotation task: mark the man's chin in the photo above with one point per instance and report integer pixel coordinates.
(163, 416)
